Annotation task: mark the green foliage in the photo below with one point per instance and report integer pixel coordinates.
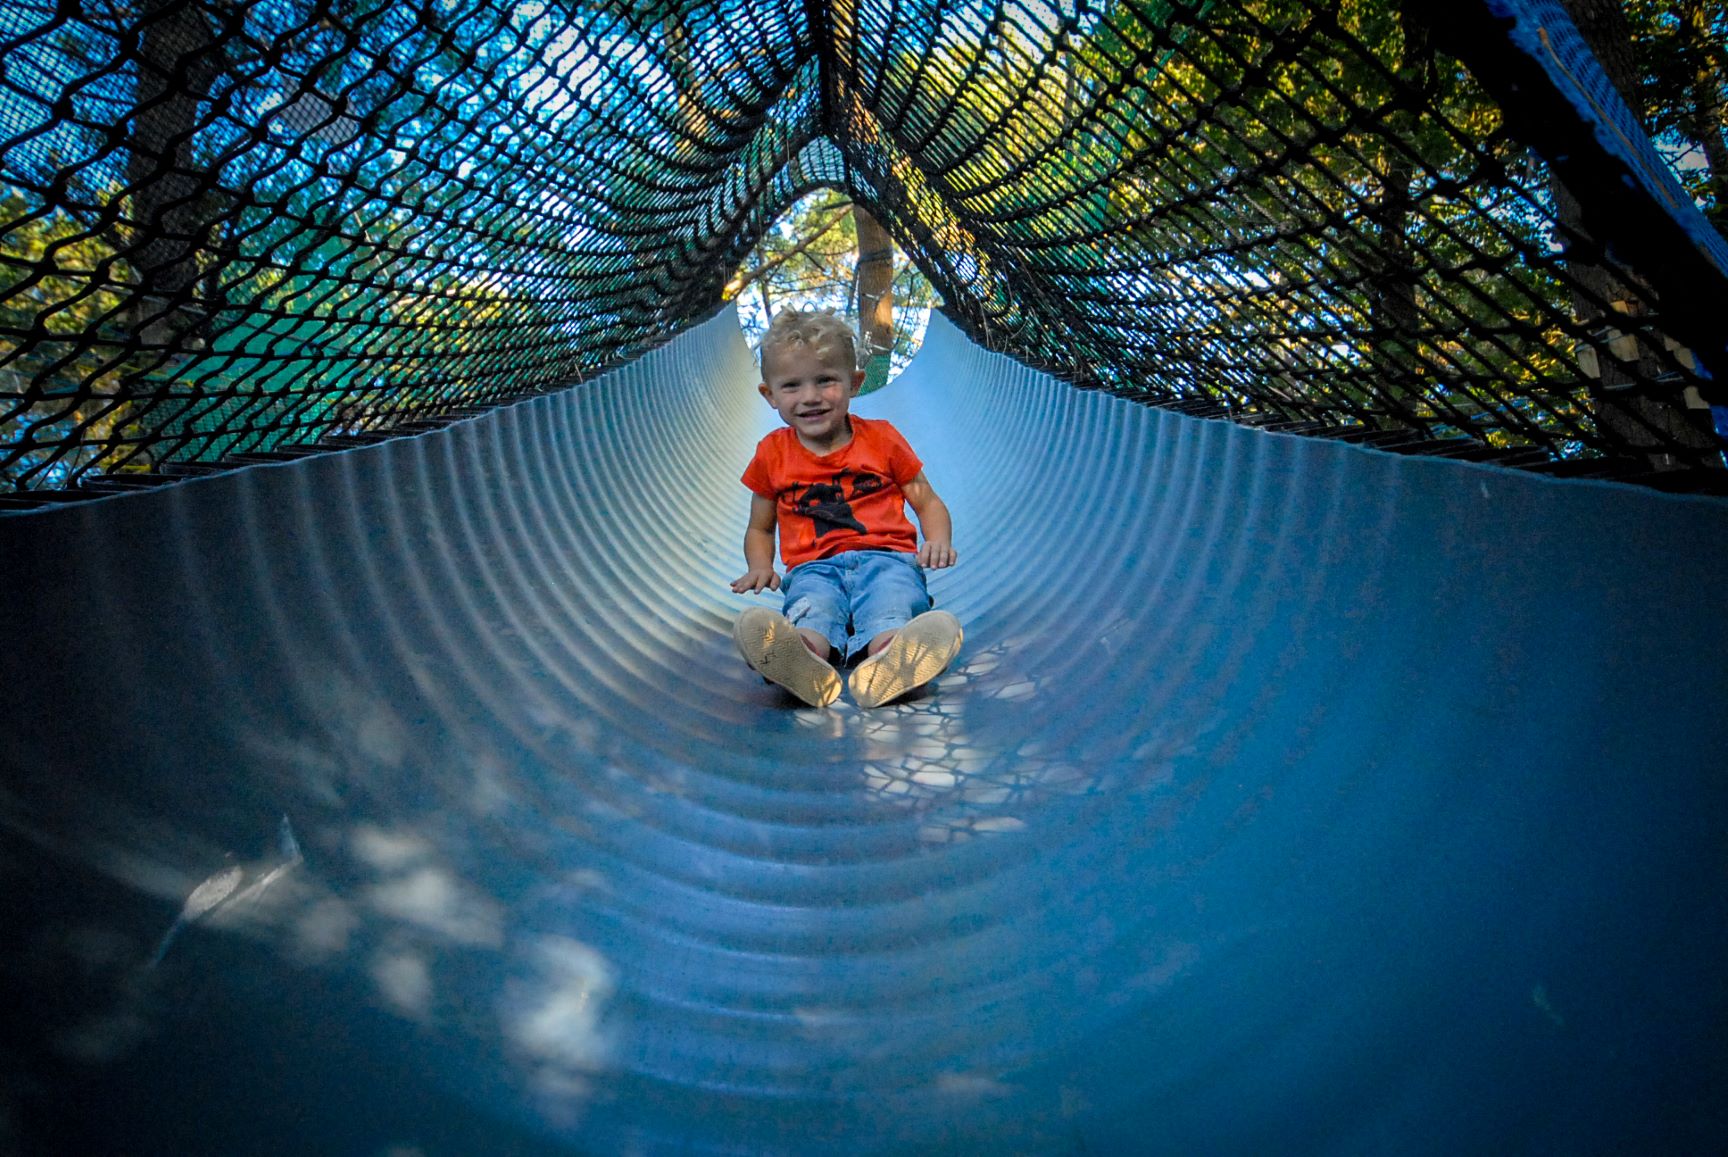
(62, 346)
(1682, 54)
(1293, 208)
(808, 259)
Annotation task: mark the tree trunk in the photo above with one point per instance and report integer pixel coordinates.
(1629, 420)
(1391, 269)
(1707, 127)
(177, 62)
(875, 284)
(1705, 92)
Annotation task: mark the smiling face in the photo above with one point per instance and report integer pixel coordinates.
(812, 390)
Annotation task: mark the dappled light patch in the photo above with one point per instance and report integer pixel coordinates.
(323, 930)
(432, 899)
(403, 975)
(552, 1019)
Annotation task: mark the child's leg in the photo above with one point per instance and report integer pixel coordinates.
(886, 591)
(877, 642)
(905, 643)
(819, 646)
(777, 651)
(792, 649)
(816, 602)
(912, 657)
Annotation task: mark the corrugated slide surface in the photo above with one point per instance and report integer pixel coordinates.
(1287, 797)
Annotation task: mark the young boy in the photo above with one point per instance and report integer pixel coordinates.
(835, 488)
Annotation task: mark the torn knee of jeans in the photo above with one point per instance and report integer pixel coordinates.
(798, 611)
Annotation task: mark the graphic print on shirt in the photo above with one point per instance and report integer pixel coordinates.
(824, 503)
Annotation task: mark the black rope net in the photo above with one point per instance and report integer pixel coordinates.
(243, 229)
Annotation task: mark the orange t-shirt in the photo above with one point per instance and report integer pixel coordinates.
(847, 500)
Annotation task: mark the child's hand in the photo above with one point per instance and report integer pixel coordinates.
(763, 579)
(936, 554)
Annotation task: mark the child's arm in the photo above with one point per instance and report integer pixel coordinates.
(758, 549)
(933, 519)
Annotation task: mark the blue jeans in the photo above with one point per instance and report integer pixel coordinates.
(852, 597)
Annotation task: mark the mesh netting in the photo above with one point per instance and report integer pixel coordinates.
(231, 230)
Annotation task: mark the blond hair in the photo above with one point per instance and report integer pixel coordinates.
(822, 330)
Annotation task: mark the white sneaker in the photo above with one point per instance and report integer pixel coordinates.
(776, 651)
(919, 651)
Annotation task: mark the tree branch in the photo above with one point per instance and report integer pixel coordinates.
(779, 259)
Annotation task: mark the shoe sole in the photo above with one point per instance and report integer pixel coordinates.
(919, 651)
(776, 651)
